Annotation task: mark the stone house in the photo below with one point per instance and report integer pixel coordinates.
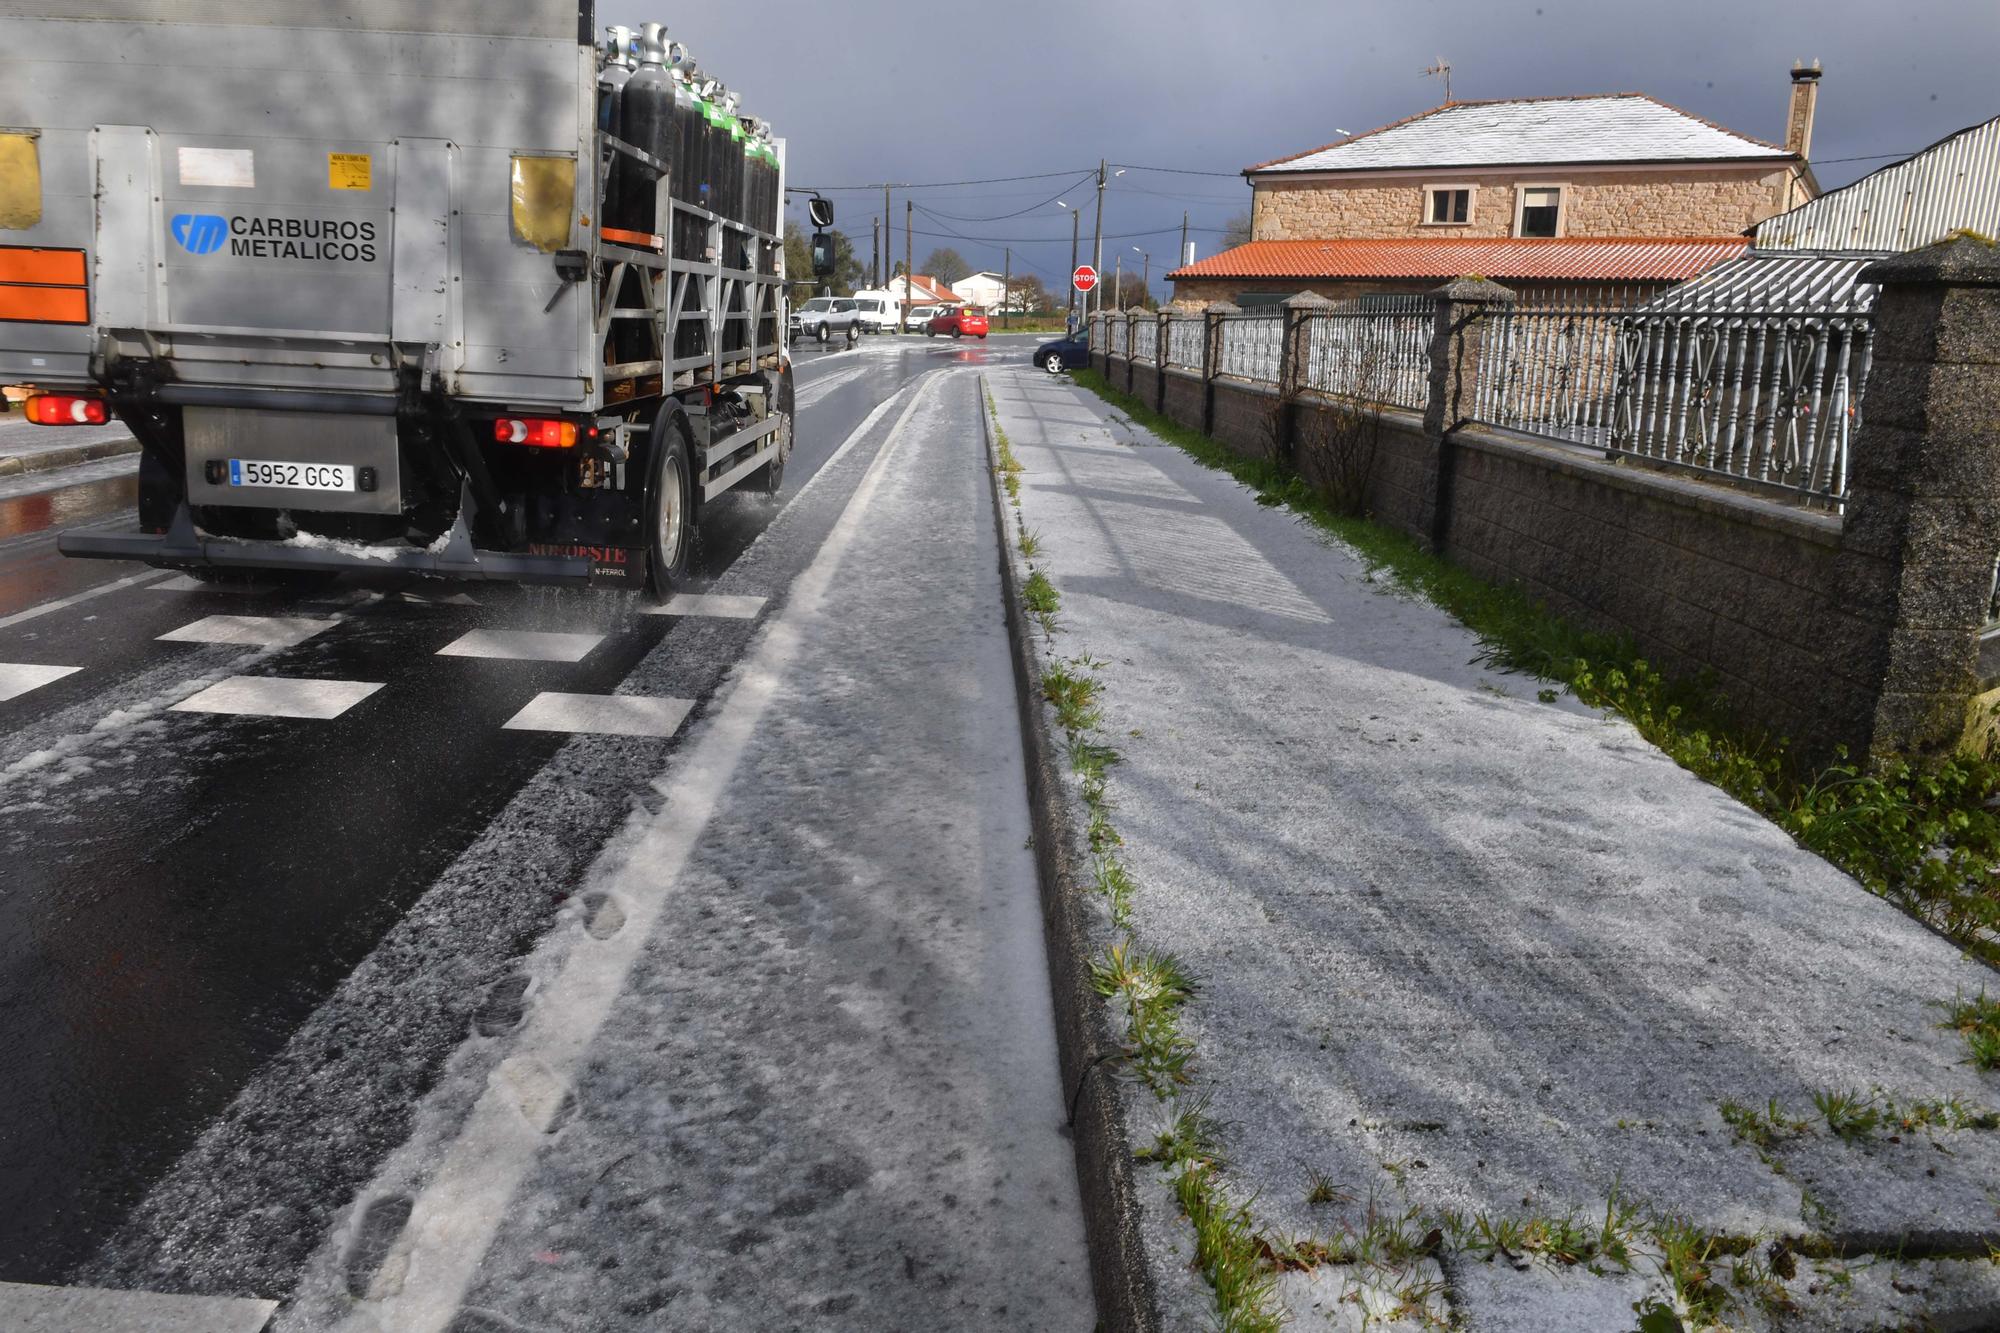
(1470, 186)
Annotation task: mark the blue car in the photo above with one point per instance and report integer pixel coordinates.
(1066, 353)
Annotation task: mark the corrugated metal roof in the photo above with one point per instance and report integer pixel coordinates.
(1953, 184)
(1590, 259)
(1784, 282)
(1613, 127)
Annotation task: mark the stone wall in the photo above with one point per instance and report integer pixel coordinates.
(1684, 202)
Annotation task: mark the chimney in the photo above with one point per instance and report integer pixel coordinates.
(1805, 99)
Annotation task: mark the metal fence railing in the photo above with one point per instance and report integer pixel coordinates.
(1753, 373)
(1146, 338)
(1376, 349)
(1549, 366)
(1251, 346)
(1184, 343)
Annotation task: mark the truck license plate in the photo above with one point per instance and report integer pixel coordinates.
(294, 476)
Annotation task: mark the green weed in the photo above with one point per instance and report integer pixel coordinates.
(1229, 1253)
(1031, 544)
(1977, 1022)
(1848, 1114)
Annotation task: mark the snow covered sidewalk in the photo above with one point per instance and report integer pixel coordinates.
(1473, 966)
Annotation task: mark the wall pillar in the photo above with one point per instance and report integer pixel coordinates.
(1456, 338)
(1163, 341)
(1922, 527)
(1131, 357)
(1293, 350)
(1211, 359)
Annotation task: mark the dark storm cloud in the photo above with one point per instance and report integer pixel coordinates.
(935, 90)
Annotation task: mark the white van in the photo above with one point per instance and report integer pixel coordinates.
(875, 310)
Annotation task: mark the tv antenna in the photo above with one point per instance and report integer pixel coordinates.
(1442, 67)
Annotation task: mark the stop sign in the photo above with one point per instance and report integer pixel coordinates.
(1085, 277)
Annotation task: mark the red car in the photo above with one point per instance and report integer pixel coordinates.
(968, 321)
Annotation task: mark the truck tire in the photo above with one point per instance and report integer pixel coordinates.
(769, 479)
(669, 502)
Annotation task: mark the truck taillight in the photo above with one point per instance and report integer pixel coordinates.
(55, 409)
(537, 432)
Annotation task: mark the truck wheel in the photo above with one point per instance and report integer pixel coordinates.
(770, 478)
(669, 509)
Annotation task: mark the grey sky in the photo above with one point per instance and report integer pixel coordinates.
(939, 90)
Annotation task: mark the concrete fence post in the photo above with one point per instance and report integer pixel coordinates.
(1294, 350)
(1456, 336)
(1132, 314)
(1922, 527)
(1211, 358)
(1162, 349)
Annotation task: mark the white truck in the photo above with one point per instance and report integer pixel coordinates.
(449, 287)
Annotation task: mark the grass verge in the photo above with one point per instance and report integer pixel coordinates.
(1927, 838)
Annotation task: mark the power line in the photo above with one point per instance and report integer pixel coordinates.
(941, 185)
(1180, 171)
(999, 217)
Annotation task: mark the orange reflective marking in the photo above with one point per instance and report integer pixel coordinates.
(45, 305)
(61, 268)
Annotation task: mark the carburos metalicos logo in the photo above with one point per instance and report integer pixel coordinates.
(200, 233)
(325, 240)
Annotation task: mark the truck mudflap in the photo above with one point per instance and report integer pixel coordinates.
(182, 545)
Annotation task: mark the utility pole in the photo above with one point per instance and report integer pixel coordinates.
(1097, 242)
(1118, 291)
(888, 234)
(875, 257)
(909, 265)
(1006, 288)
(1075, 226)
(1180, 256)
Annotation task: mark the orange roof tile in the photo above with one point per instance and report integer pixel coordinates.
(1582, 259)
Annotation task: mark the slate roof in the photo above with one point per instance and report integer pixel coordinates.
(1581, 259)
(1535, 131)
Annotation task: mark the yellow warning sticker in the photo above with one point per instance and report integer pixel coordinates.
(350, 171)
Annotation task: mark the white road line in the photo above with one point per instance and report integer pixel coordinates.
(33, 1309)
(457, 1214)
(601, 714)
(249, 631)
(84, 596)
(279, 696)
(708, 604)
(188, 583)
(17, 678)
(521, 645)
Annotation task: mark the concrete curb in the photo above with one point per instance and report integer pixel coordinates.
(15, 465)
(1127, 1301)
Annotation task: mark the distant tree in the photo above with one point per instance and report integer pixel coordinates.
(1028, 293)
(946, 265)
(848, 271)
(1124, 293)
(1236, 231)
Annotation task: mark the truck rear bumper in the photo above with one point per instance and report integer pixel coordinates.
(184, 547)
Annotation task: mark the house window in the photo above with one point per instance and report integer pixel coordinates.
(1540, 211)
(1447, 205)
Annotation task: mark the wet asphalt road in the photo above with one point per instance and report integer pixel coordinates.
(183, 892)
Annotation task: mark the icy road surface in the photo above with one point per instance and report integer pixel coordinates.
(791, 1061)
(272, 854)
